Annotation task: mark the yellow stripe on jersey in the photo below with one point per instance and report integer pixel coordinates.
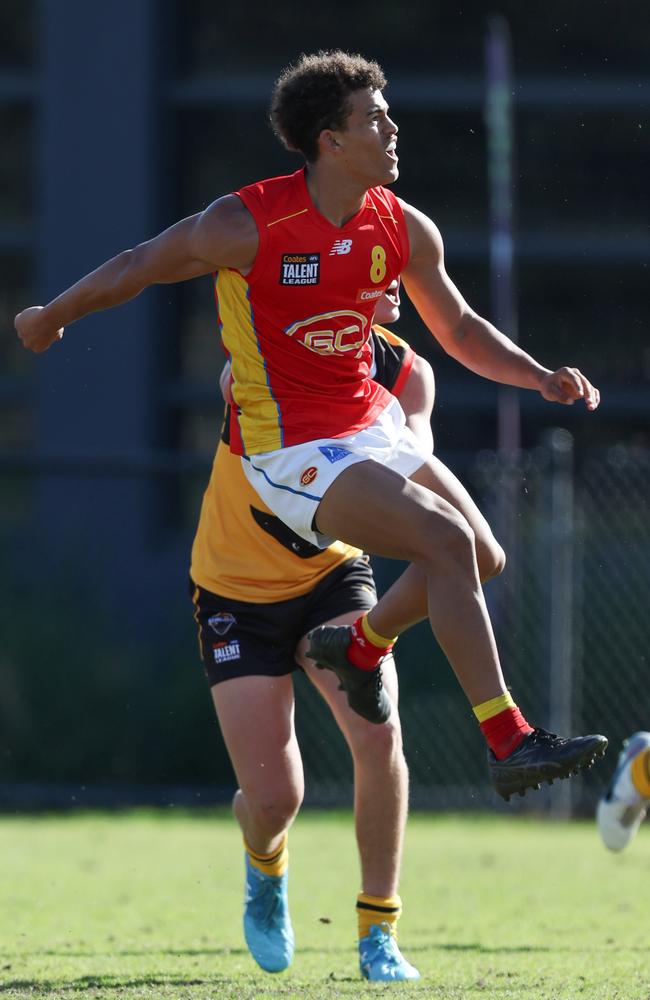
(259, 422)
(285, 218)
(391, 217)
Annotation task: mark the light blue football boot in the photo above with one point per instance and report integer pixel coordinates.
(267, 924)
(380, 960)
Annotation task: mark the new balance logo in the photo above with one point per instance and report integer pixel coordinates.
(340, 247)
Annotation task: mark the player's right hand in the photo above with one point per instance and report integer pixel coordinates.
(34, 334)
(567, 385)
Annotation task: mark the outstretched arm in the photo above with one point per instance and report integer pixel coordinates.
(469, 338)
(224, 235)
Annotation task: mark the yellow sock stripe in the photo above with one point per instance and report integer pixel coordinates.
(267, 858)
(374, 637)
(378, 910)
(640, 773)
(487, 709)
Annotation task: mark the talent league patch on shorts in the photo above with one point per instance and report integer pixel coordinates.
(224, 652)
(222, 622)
(300, 269)
(332, 453)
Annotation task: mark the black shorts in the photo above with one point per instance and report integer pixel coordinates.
(241, 639)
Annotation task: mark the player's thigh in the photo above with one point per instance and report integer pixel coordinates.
(256, 717)
(248, 658)
(380, 511)
(435, 476)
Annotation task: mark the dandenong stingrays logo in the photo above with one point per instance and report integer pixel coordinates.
(221, 622)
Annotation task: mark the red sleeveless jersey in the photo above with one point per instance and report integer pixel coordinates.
(296, 327)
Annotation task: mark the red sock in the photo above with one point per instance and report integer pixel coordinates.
(505, 731)
(362, 651)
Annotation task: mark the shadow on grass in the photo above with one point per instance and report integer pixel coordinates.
(480, 949)
(138, 952)
(57, 987)
(218, 984)
(117, 953)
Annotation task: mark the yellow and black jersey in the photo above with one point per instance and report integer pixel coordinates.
(241, 549)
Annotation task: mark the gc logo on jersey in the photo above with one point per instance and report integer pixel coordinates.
(331, 333)
(300, 269)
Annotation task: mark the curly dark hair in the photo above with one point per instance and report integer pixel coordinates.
(313, 94)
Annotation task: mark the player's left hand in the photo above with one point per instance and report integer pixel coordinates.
(566, 385)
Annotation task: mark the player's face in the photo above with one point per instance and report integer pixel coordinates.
(368, 141)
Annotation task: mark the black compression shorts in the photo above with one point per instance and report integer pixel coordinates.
(241, 639)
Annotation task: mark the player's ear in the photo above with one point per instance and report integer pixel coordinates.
(328, 141)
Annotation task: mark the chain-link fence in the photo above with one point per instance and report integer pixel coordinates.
(83, 703)
(571, 614)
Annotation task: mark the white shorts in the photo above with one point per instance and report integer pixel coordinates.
(292, 481)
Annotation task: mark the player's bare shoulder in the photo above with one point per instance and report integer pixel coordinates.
(424, 236)
(226, 233)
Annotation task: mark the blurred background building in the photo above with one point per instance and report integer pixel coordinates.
(116, 120)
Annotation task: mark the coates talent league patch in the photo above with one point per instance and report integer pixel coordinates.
(300, 269)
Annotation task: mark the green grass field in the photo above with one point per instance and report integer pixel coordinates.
(149, 905)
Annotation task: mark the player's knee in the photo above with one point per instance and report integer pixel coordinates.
(491, 561)
(449, 537)
(379, 745)
(275, 812)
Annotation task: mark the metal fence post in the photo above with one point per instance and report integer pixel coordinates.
(561, 598)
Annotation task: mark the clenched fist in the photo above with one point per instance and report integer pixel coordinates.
(34, 333)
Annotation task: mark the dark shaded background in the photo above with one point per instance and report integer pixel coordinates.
(118, 119)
